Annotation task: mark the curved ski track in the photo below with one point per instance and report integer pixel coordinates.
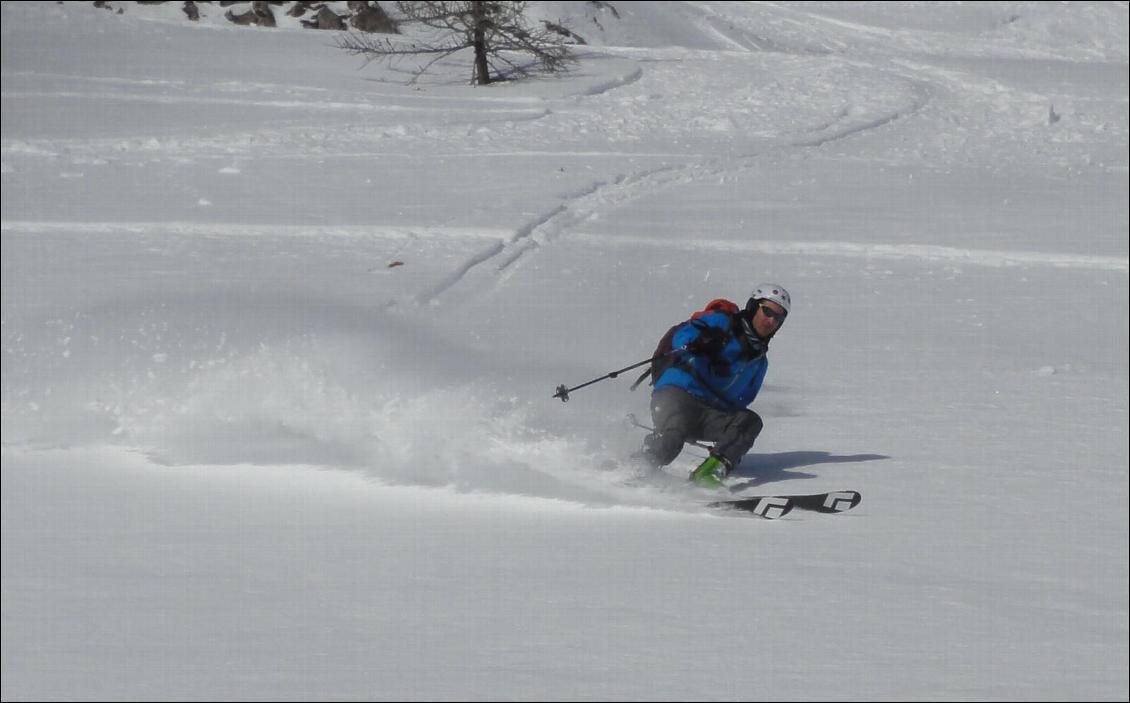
(497, 262)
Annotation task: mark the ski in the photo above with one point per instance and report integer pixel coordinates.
(833, 502)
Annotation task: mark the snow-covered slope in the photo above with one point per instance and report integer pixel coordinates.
(280, 335)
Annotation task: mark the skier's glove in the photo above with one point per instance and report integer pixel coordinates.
(710, 341)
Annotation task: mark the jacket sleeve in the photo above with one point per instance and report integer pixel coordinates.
(731, 377)
(692, 330)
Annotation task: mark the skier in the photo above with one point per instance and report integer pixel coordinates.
(704, 393)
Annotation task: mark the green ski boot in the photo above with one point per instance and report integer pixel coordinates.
(710, 473)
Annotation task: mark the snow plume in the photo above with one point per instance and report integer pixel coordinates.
(310, 401)
(196, 392)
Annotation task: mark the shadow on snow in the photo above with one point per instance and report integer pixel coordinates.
(759, 469)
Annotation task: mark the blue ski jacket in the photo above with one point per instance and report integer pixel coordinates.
(729, 380)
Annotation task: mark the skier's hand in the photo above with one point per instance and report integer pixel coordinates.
(710, 341)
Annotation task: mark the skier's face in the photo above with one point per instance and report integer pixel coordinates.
(768, 318)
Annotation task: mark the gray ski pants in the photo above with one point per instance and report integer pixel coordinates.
(680, 417)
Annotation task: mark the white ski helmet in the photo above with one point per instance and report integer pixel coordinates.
(773, 293)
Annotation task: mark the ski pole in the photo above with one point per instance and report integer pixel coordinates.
(563, 392)
(636, 423)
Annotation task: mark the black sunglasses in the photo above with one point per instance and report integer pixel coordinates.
(771, 313)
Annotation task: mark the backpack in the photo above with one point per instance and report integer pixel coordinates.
(663, 359)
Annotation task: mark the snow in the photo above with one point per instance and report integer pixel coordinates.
(280, 336)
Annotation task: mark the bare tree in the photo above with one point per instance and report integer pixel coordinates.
(503, 43)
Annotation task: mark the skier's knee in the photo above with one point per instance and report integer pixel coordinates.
(751, 425)
(662, 449)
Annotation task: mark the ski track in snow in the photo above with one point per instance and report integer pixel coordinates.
(927, 83)
(609, 195)
(493, 264)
